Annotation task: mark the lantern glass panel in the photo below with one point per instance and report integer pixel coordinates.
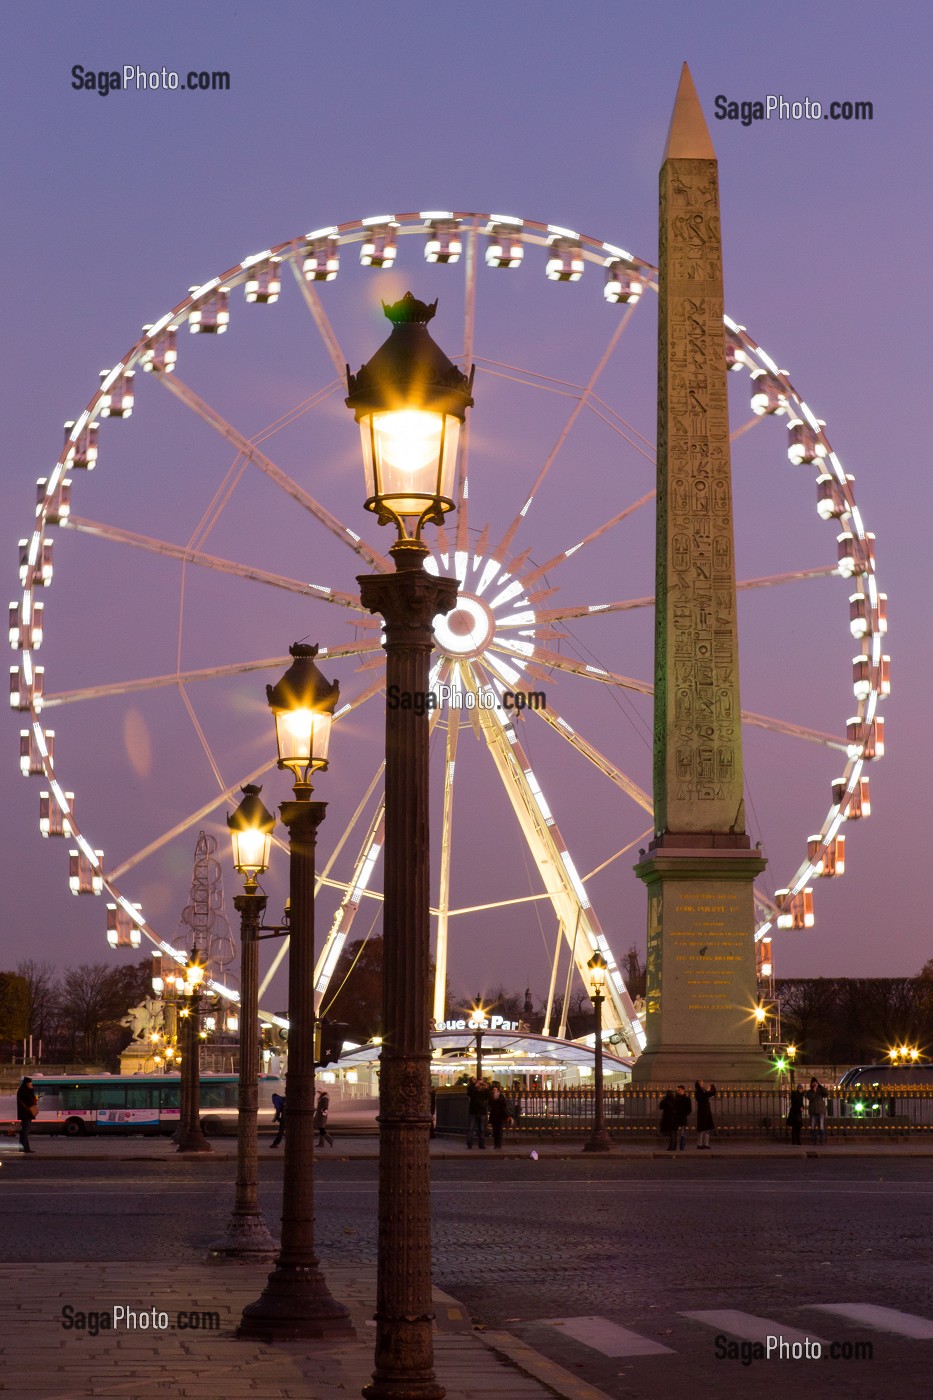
(303, 738)
(251, 850)
(410, 451)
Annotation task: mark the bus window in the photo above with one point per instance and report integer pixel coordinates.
(142, 1096)
(110, 1096)
(169, 1095)
(77, 1097)
(49, 1099)
(214, 1095)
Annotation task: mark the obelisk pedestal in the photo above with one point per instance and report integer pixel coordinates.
(699, 869)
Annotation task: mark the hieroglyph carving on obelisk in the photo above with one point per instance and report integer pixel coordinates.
(698, 738)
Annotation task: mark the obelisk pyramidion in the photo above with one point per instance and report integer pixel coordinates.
(699, 869)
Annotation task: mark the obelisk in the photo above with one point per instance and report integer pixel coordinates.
(699, 868)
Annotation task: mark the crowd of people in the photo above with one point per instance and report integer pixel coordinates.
(486, 1103)
(676, 1107)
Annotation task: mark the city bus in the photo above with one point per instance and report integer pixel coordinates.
(136, 1103)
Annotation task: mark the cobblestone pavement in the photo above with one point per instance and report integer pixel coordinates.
(636, 1276)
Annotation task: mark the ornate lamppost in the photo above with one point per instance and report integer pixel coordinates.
(247, 1235)
(598, 1140)
(410, 402)
(190, 1138)
(478, 1019)
(296, 1302)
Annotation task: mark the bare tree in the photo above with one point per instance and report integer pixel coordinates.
(41, 981)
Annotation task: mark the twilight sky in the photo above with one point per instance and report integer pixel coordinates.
(115, 205)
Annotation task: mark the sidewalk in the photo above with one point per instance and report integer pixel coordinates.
(41, 1360)
(365, 1146)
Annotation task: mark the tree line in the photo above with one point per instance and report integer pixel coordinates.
(75, 1014)
(856, 1020)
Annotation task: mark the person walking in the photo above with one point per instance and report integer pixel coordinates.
(27, 1106)
(703, 1092)
(477, 1108)
(278, 1103)
(668, 1107)
(682, 1110)
(795, 1114)
(500, 1114)
(817, 1099)
(319, 1120)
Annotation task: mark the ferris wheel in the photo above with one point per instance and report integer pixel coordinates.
(552, 476)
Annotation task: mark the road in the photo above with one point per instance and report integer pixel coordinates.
(600, 1264)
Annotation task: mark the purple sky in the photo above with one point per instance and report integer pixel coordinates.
(115, 205)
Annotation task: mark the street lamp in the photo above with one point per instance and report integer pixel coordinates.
(296, 1303)
(598, 1140)
(247, 1235)
(410, 401)
(188, 987)
(478, 1017)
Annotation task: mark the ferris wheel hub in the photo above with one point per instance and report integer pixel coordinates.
(467, 631)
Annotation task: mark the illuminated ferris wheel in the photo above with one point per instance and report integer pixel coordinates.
(517, 663)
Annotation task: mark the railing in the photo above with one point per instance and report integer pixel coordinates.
(738, 1113)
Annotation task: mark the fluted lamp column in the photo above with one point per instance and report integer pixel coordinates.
(296, 1302)
(410, 402)
(598, 1140)
(247, 1235)
(190, 1136)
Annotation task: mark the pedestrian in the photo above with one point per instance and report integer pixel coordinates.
(817, 1099)
(795, 1114)
(278, 1103)
(477, 1108)
(27, 1106)
(319, 1120)
(703, 1092)
(682, 1109)
(500, 1114)
(668, 1107)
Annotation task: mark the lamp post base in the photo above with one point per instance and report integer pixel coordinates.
(597, 1142)
(403, 1387)
(193, 1142)
(246, 1237)
(295, 1306)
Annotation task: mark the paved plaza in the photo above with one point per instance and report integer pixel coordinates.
(637, 1275)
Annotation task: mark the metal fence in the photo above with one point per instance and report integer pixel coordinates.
(738, 1113)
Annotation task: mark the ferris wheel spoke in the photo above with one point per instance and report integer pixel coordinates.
(353, 895)
(794, 731)
(443, 901)
(324, 875)
(553, 660)
(505, 543)
(187, 822)
(202, 737)
(286, 483)
(189, 555)
(469, 329)
(567, 614)
(576, 741)
(532, 578)
(206, 673)
(648, 831)
(740, 432)
(322, 321)
(356, 889)
(622, 425)
(546, 844)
